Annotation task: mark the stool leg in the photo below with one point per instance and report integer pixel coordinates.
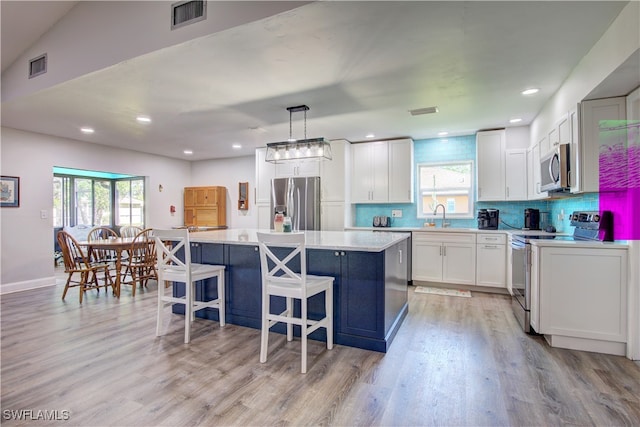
(290, 316)
(303, 334)
(221, 298)
(328, 298)
(264, 335)
(187, 311)
(160, 308)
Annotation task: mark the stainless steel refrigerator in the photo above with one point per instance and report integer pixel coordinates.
(299, 199)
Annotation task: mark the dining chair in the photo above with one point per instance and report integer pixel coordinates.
(140, 261)
(76, 262)
(129, 231)
(102, 255)
(280, 280)
(172, 268)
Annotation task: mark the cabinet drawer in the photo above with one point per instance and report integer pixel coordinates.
(495, 239)
(437, 236)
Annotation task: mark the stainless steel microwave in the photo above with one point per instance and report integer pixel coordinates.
(555, 169)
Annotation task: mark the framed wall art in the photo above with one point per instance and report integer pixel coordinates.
(9, 191)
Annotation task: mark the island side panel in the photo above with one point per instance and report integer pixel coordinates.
(396, 290)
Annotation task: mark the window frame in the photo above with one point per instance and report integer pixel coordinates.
(460, 190)
(69, 203)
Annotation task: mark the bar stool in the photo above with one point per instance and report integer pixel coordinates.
(282, 281)
(172, 269)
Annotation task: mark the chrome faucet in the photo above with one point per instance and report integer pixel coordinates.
(444, 214)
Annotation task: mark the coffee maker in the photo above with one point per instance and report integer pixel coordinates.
(488, 219)
(531, 219)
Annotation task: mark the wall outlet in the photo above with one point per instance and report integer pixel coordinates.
(396, 213)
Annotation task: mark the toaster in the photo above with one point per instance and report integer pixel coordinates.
(381, 221)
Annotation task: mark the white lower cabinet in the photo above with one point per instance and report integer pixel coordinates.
(491, 260)
(579, 297)
(444, 257)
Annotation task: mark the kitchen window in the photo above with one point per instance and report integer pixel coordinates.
(450, 184)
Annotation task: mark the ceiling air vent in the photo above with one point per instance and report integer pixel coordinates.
(187, 12)
(38, 66)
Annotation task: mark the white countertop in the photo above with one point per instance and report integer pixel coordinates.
(579, 244)
(349, 240)
(429, 229)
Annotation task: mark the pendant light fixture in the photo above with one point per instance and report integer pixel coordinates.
(295, 149)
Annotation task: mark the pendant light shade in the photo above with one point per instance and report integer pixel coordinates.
(296, 149)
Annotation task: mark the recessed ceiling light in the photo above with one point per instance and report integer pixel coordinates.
(188, 152)
(370, 135)
(516, 120)
(87, 130)
(443, 133)
(236, 146)
(143, 119)
(530, 91)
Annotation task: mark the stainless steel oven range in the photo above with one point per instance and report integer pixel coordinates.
(588, 225)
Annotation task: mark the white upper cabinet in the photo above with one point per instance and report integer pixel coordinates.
(564, 130)
(575, 150)
(333, 176)
(382, 172)
(291, 168)
(401, 171)
(516, 174)
(369, 172)
(265, 172)
(533, 173)
(491, 147)
(502, 172)
(592, 140)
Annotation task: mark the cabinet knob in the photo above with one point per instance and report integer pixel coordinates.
(342, 253)
(336, 253)
(255, 248)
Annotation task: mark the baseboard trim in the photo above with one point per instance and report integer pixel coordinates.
(9, 288)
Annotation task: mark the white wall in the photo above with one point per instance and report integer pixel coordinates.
(617, 44)
(26, 245)
(228, 173)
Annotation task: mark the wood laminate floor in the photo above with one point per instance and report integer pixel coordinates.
(455, 361)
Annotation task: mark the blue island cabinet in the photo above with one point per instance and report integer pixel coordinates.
(370, 291)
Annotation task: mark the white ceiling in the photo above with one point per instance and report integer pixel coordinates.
(359, 66)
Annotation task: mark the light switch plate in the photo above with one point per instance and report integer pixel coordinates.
(43, 214)
(396, 213)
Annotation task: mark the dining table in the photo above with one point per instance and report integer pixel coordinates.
(118, 245)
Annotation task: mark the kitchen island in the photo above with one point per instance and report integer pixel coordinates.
(370, 287)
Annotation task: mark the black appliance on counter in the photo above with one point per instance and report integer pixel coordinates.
(488, 219)
(590, 226)
(531, 219)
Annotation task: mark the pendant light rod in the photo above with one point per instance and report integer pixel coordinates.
(297, 109)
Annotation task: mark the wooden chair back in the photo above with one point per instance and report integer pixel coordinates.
(102, 255)
(129, 231)
(72, 253)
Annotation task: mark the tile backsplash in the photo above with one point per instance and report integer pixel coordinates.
(511, 213)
